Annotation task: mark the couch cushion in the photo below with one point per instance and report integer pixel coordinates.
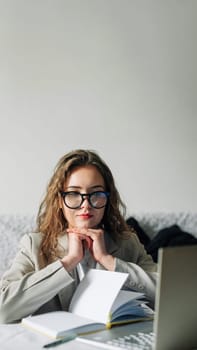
(12, 228)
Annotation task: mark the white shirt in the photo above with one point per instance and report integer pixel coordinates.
(85, 264)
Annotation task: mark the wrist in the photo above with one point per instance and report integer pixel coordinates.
(69, 263)
(108, 261)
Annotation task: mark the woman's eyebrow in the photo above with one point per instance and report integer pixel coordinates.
(94, 187)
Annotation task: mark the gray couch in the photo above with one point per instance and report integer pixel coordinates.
(12, 227)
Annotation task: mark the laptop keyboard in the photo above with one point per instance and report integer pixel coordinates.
(139, 341)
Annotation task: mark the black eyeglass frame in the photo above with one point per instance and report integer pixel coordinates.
(83, 195)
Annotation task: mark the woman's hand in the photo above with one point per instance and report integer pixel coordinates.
(76, 245)
(96, 244)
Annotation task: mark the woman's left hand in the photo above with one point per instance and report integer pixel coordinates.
(97, 246)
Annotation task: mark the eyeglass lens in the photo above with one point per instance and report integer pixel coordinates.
(75, 199)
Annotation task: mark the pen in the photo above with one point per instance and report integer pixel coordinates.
(60, 341)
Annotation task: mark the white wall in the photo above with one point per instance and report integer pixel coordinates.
(116, 76)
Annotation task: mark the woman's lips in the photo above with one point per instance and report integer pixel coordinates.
(85, 216)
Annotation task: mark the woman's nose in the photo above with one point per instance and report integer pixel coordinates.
(85, 203)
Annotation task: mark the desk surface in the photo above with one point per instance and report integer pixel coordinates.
(16, 337)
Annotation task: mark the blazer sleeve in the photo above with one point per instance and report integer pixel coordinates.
(133, 259)
(25, 287)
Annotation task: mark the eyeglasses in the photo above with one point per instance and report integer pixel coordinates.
(74, 200)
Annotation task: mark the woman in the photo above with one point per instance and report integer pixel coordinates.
(80, 225)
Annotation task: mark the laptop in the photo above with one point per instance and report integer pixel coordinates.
(175, 322)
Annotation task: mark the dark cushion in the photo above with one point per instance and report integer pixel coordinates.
(170, 236)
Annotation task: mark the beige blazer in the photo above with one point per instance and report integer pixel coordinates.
(31, 286)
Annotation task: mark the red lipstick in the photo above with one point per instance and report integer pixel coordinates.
(85, 216)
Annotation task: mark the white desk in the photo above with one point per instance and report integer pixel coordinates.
(16, 337)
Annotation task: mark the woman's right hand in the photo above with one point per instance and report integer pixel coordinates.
(76, 250)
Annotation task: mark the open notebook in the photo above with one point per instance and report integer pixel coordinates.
(175, 323)
(98, 303)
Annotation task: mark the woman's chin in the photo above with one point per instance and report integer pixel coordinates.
(86, 224)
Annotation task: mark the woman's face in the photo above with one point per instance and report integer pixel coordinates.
(84, 179)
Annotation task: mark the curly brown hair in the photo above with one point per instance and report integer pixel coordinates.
(50, 219)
